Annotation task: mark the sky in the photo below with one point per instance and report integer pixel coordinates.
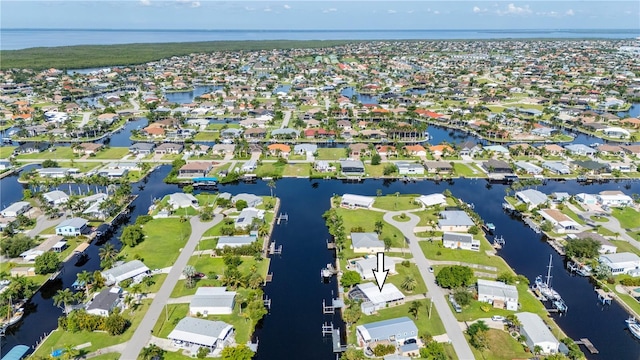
(319, 15)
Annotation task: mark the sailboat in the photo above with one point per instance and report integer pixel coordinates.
(544, 287)
(14, 315)
(634, 326)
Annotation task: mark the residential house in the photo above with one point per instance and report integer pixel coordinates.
(181, 200)
(606, 247)
(405, 168)
(193, 332)
(169, 148)
(251, 199)
(416, 150)
(614, 198)
(250, 165)
(438, 166)
(592, 167)
(279, 150)
(351, 167)
(556, 167)
(432, 200)
(357, 201)
(15, 209)
(231, 133)
(455, 220)
(533, 198)
(223, 149)
(255, 133)
(246, 218)
(31, 148)
(195, 169)
(210, 300)
(235, 241)
(372, 299)
(286, 133)
(105, 302)
(560, 222)
(72, 227)
(134, 269)
(55, 172)
(142, 148)
(87, 148)
(56, 197)
(528, 167)
(621, 263)
(396, 331)
(499, 294)
(452, 240)
(358, 149)
(366, 243)
(580, 149)
(305, 149)
(469, 148)
(497, 166)
(323, 166)
(440, 150)
(537, 333)
(366, 266)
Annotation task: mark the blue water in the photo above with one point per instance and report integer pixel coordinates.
(12, 39)
(187, 97)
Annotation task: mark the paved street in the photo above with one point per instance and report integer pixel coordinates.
(285, 120)
(143, 332)
(451, 325)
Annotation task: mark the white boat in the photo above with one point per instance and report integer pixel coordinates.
(633, 326)
(544, 287)
(16, 311)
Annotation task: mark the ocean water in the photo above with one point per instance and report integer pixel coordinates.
(13, 39)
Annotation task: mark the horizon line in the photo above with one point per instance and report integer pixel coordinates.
(330, 30)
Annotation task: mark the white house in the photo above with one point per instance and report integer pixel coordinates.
(463, 241)
(373, 299)
(537, 333)
(499, 294)
(357, 201)
(365, 266)
(245, 219)
(192, 332)
(531, 197)
(56, 197)
(454, 220)
(72, 227)
(235, 241)
(432, 200)
(15, 209)
(614, 199)
(134, 269)
(621, 263)
(251, 199)
(182, 200)
(104, 302)
(585, 198)
(366, 243)
(212, 301)
(405, 168)
(396, 331)
(560, 222)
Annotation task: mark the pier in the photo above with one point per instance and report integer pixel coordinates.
(584, 341)
(282, 217)
(604, 297)
(275, 250)
(557, 247)
(328, 271)
(327, 329)
(532, 225)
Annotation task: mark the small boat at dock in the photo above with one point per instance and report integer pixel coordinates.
(634, 326)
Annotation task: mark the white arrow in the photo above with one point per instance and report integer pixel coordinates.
(380, 273)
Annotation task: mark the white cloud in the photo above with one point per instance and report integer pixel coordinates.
(145, 2)
(570, 12)
(329, 10)
(267, 9)
(515, 10)
(436, 12)
(286, 6)
(478, 10)
(391, 11)
(195, 4)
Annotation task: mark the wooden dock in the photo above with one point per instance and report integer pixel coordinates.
(584, 341)
(282, 217)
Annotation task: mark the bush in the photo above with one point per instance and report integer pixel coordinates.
(115, 324)
(132, 235)
(382, 350)
(49, 164)
(241, 204)
(455, 276)
(16, 245)
(143, 219)
(47, 263)
(630, 282)
(375, 159)
(405, 263)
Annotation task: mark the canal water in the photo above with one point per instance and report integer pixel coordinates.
(297, 290)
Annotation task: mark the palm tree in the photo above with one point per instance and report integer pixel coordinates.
(85, 278)
(409, 283)
(414, 309)
(136, 290)
(70, 352)
(63, 297)
(108, 254)
(189, 272)
(152, 351)
(272, 185)
(378, 226)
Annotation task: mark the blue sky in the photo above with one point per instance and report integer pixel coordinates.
(328, 15)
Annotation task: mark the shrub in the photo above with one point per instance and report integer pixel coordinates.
(406, 263)
(143, 219)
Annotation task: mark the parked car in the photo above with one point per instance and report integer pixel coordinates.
(498, 318)
(198, 275)
(430, 269)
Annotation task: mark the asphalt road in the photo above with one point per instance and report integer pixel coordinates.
(143, 333)
(451, 325)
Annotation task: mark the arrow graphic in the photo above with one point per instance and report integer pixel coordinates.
(380, 273)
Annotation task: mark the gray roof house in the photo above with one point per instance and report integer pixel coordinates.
(142, 148)
(454, 220)
(406, 168)
(499, 294)
(182, 200)
(72, 227)
(528, 167)
(397, 331)
(235, 241)
(245, 219)
(231, 133)
(131, 269)
(16, 209)
(214, 335)
(537, 333)
(352, 167)
(463, 241)
(56, 197)
(304, 149)
(366, 243)
(285, 133)
(251, 199)
(496, 166)
(212, 301)
(365, 267)
(580, 149)
(531, 197)
(169, 148)
(357, 201)
(556, 167)
(106, 300)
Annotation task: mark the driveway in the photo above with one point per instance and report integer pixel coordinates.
(285, 120)
(142, 334)
(451, 324)
(42, 223)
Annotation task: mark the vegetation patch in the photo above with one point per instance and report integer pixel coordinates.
(628, 217)
(396, 202)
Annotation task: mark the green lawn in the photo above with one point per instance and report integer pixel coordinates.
(375, 171)
(501, 347)
(427, 217)
(81, 166)
(6, 151)
(206, 136)
(295, 170)
(170, 235)
(464, 171)
(403, 272)
(331, 154)
(98, 340)
(396, 203)
(59, 153)
(115, 153)
(628, 217)
(435, 251)
(624, 246)
(270, 170)
(572, 215)
(367, 219)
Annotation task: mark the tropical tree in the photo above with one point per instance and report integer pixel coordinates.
(69, 352)
(85, 278)
(378, 226)
(63, 298)
(152, 351)
(108, 255)
(189, 272)
(272, 185)
(414, 309)
(409, 283)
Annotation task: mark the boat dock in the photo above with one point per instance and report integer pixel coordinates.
(328, 271)
(275, 250)
(328, 329)
(557, 247)
(604, 297)
(282, 217)
(532, 225)
(584, 341)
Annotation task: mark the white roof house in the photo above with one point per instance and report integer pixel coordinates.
(498, 293)
(621, 263)
(365, 266)
(366, 243)
(131, 269)
(357, 201)
(537, 333)
(374, 299)
(56, 197)
(212, 301)
(182, 200)
(614, 199)
(214, 335)
(531, 197)
(432, 200)
(245, 219)
(15, 209)
(529, 168)
(251, 199)
(453, 240)
(454, 220)
(234, 241)
(397, 331)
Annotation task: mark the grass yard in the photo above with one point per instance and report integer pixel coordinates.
(427, 217)
(206, 136)
(6, 151)
(81, 166)
(58, 153)
(331, 154)
(295, 170)
(270, 170)
(463, 170)
(169, 234)
(403, 272)
(374, 171)
(396, 203)
(435, 251)
(367, 219)
(628, 217)
(572, 215)
(501, 347)
(59, 339)
(115, 153)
